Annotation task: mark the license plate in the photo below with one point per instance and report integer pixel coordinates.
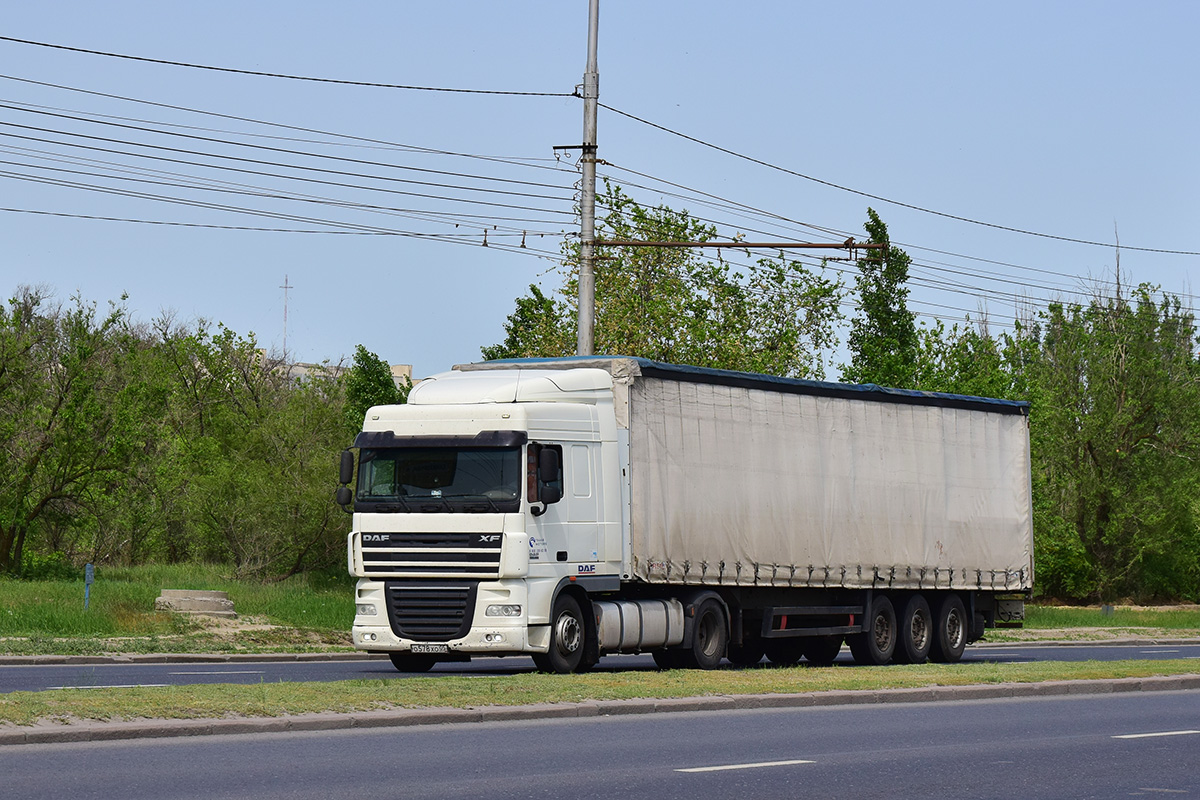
(431, 648)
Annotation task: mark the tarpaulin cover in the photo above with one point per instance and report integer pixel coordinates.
(734, 484)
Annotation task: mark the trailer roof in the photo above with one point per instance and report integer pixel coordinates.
(752, 380)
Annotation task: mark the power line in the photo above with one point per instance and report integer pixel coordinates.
(890, 201)
(282, 75)
(523, 162)
(259, 172)
(288, 151)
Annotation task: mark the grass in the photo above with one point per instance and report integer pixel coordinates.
(48, 618)
(279, 699)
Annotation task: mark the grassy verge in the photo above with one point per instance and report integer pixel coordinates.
(271, 700)
(302, 614)
(1093, 623)
(313, 614)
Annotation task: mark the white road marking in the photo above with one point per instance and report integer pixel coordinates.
(1152, 735)
(1163, 791)
(118, 686)
(223, 672)
(745, 766)
(1148, 652)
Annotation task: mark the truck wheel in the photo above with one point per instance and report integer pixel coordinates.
(916, 632)
(412, 662)
(876, 644)
(710, 635)
(567, 632)
(669, 659)
(949, 630)
(820, 651)
(746, 654)
(784, 652)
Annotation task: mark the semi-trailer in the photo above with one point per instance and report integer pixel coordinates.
(566, 509)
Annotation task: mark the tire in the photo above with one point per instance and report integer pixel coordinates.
(412, 662)
(876, 645)
(567, 635)
(949, 630)
(820, 651)
(746, 654)
(710, 636)
(785, 652)
(915, 632)
(670, 659)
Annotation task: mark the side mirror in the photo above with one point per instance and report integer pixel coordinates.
(549, 473)
(548, 466)
(346, 468)
(343, 496)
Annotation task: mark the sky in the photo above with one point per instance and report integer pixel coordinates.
(1068, 120)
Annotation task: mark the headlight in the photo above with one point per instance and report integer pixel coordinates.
(365, 609)
(503, 611)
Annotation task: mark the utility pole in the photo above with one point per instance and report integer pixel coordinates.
(285, 288)
(587, 202)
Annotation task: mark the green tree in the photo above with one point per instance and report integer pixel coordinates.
(71, 416)
(369, 383)
(672, 304)
(539, 328)
(1116, 437)
(883, 341)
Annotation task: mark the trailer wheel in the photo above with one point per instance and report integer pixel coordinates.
(710, 635)
(785, 652)
(916, 632)
(877, 643)
(567, 634)
(746, 654)
(949, 630)
(820, 651)
(412, 662)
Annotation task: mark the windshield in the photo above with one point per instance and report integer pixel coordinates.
(427, 479)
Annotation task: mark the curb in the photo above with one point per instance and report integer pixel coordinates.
(184, 658)
(55, 733)
(231, 658)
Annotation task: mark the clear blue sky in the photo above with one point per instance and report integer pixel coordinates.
(1060, 118)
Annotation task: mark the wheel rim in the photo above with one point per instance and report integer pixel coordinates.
(954, 629)
(918, 630)
(567, 634)
(707, 635)
(883, 633)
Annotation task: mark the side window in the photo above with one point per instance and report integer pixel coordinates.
(533, 484)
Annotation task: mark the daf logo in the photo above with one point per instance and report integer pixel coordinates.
(376, 537)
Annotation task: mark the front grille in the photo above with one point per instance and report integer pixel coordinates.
(431, 555)
(428, 611)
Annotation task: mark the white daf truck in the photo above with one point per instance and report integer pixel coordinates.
(565, 509)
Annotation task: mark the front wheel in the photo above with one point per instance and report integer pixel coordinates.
(412, 662)
(567, 633)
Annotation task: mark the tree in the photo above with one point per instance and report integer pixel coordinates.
(369, 383)
(1116, 435)
(71, 416)
(539, 328)
(672, 304)
(883, 335)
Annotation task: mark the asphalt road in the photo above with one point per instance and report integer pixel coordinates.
(1095, 746)
(31, 678)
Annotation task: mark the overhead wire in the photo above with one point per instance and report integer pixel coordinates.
(888, 200)
(363, 140)
(284, 76)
